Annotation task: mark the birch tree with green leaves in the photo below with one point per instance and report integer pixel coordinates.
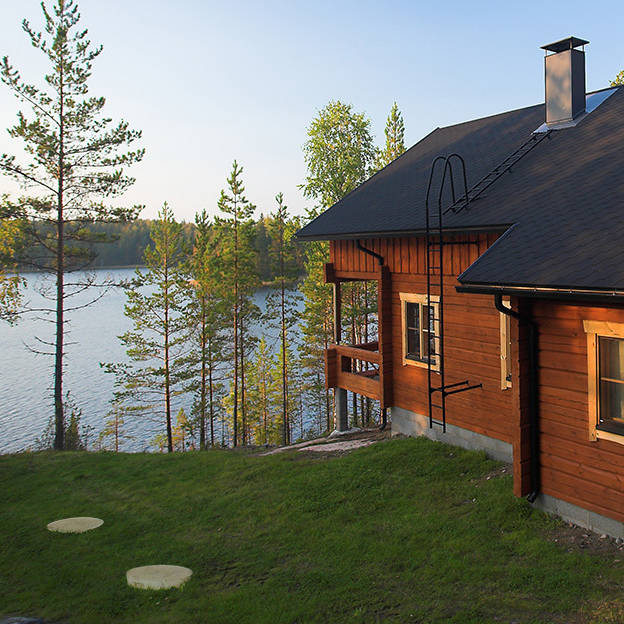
(73, 165)
(157, 300)
(339, 155)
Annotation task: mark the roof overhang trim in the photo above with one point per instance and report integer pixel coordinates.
(399, 233)
(603, 295)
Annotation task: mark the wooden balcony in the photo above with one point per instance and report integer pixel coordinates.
(365, 369)
(357, 368)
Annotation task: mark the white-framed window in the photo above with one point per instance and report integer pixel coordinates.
(420, 329)
(505, 347)
(605, 379)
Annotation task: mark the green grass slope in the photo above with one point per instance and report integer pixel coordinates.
(402, 531)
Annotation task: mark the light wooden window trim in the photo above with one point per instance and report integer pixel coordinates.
(421, 299)
(595, 329)
(505, 347)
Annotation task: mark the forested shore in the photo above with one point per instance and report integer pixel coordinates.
(126, 243)
(191, 305)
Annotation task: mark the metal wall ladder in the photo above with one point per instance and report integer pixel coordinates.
(435, 244)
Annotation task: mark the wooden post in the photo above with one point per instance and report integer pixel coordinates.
(337, 312)
(384, 315)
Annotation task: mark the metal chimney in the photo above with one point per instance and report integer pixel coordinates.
(565, 80)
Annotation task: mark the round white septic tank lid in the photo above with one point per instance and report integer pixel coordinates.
(75, 525)
(158, 576)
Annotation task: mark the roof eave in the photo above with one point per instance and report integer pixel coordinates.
(399, 233)
(604, 295)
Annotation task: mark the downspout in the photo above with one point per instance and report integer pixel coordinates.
(380, 260)
(533, 394)
(370, 252)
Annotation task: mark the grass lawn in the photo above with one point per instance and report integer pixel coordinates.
(402, 531)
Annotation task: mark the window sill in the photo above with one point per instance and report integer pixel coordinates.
(611, 437)
(419, 364)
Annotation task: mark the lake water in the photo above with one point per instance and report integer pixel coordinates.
(26, 378)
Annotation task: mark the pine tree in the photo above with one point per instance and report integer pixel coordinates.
(283, 307)
(238, 262)
(74, 160)
(182, 432)
(264, 411)
(395, 138)
(156, 304)
(11, 239)
(207, 319)
(114, 432)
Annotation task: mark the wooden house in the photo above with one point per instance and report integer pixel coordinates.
(501, 299)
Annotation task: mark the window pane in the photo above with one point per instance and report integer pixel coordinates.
(611, 358)
(429, 317)
(611, 402)
(411, 313)
(413, 344)
(432, 347)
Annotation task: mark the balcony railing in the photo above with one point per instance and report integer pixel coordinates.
(347, 366)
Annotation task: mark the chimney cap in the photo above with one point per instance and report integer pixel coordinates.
(568, 43)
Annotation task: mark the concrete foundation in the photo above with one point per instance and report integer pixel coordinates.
(412, 424)
(409, 423)
(579, 516)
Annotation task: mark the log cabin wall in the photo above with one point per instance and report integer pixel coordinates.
(472, 332)
(573, 468)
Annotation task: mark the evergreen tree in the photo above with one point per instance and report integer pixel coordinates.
(238, 270)
(157, 305)
(207, 319)
(262, 243)
(264, 411)
(182, 432)
(282, 307)
(114, 432)
(74, 159)
(395, 135)
(11, 239)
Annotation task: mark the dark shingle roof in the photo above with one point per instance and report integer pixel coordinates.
(564, 200)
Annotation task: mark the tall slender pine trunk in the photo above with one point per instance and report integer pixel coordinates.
(202, 393)
(242, 379)
(210, 392)
(283, 332)
(264, 402)
(166, 359)
(235, 414)
(59, 420)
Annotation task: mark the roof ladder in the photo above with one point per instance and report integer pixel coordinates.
(435, 244)
(487, 180)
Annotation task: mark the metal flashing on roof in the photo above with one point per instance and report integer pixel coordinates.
(569, 43)
(592, 102)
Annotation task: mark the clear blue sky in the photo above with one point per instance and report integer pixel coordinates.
(209, 82)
